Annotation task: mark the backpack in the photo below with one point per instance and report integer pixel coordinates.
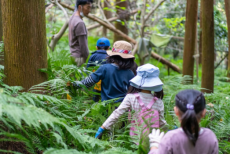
(145, 117)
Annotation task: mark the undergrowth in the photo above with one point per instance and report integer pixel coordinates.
(44, 120)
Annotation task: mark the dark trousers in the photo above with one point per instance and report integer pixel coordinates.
(96, 98)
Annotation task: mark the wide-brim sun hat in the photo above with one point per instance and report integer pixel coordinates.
(147, 78)
(122, 49)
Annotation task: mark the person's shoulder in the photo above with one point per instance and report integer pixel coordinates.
(80, 24)
(105, 67)
(76, 19)
(93, 52)
(130, 97)
(208, 133)
(109, 65)
(173, 133)
(159, 101)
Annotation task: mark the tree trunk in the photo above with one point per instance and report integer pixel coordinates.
(227, 10)
(200, 40)
(119, 25)
(190, 37)
(24, 32)
(207, 81)
(108, 15)
(1, 29)
(1, 37)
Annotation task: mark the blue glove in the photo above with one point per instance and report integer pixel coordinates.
(99, 132)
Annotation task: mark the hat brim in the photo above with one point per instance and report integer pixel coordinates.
(147, 82)
(122, 55)
(155, 88)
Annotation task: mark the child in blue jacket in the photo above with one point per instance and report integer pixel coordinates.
(114, 75)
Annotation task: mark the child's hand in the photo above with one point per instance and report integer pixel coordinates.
(99, 133)
(155, 138)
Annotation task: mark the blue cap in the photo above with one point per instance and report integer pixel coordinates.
(103, 42)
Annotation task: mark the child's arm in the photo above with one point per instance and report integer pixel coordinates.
(92, 79)
(88, 82)
(124, 106)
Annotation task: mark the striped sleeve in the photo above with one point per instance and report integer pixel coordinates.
(88, 82)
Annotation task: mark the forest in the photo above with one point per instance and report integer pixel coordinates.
(188, 40)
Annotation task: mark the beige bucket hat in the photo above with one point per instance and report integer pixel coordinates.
(122, 49)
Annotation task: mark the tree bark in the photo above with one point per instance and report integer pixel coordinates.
(200, 34)
(108, 15)
(227, 10)
(1, 29)
(190, 37)
(1, 37)
(118, 25)
(24, 32)
(207, 81)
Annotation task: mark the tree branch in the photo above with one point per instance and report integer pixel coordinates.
(154, 55)
(110, 20)
(49, 7)
(98, 25)
(166, 62)
(67, 6)
(154, 9)
(102, 12)
(65, 13)
(112, 29)
(162, 15)
(143, 18)
(55, 38)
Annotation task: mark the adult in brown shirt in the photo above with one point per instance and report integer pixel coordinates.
(77, 32)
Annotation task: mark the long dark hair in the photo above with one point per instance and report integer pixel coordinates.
(133, 90)
(191, 103)
(159, 94)
(121, 62)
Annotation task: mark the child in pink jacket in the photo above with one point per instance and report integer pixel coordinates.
(138, 98)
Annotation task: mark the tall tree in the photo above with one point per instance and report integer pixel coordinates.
(1, 29)
(190, 37)
(227, 10)
(207, 46)
(1, 37)
(200, 34)
(24, 33)
(108, 14)
(121, 6)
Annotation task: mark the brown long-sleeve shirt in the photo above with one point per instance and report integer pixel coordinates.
(78, 38)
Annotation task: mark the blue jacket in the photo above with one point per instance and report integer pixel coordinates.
(99, 55)
(114, 81)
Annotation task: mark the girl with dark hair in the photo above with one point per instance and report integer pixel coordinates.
(114, 75)
(190, 138)
(140, 100)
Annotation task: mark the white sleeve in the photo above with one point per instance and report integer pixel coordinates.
(124, 106)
